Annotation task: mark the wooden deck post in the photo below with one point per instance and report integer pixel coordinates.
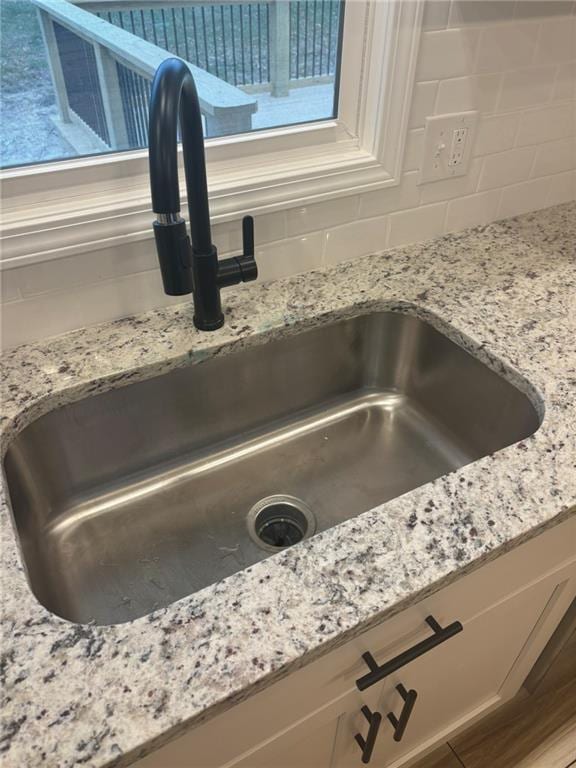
(279, 46)
(55, 65)
(111, 98)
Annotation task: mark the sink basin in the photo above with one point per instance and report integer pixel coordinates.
(127, 501)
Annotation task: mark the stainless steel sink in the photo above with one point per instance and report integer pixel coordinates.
(127, 501)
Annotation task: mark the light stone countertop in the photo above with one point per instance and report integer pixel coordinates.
(102, 696)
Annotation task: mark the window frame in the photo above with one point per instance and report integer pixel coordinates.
(64, 207)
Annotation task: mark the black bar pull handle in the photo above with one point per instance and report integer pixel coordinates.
(378, 673)
(367, 744)
(399, 723)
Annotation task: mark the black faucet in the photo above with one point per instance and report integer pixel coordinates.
(188, 267)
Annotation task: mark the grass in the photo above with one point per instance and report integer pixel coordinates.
(23, 64)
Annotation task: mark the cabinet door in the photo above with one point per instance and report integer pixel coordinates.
(453, 681)
(309, 746)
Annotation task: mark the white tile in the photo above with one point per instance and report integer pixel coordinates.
(447, 53)
(381, 201)
(436, 14)
(496, 134)
(565, 84)
(555, 157)
(506, 168)
(506, 47)
(423, 100)
(557, 41)
(562, 188)
(354, 240)
(414, 149)
(227, 236)
(536, 9)
(465, 93)
(472, 211)
(84, 269)
(289, 257)
(523, 198)
(481, 11)
(51, 314)
(310, 218)
(416, 225)
(9, 285)
(548, 124)
(446, 189)
(526, 87)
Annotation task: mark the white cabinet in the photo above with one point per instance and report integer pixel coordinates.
(508, 610)
(453, 681)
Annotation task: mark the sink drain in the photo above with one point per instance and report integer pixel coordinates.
(277, 522)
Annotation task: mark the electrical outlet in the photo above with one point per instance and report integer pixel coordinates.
(448, 141)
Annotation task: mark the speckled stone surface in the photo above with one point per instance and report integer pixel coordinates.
(101, 696)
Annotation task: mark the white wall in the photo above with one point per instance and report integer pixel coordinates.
(514, 61)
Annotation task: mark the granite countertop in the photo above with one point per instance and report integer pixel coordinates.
(102, 696)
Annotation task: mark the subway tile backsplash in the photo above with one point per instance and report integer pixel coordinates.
(513, 60)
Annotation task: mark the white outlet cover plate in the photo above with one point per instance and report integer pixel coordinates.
(438, 137)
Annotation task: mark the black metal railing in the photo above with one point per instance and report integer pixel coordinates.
(229, 41)
(314, 32)
(232, 40)
(135, 95)
(80, 73)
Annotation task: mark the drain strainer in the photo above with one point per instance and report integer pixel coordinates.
(280, 521)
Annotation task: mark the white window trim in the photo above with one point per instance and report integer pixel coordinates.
(58, 209)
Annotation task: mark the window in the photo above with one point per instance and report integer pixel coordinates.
(354, 142)
(77, 73)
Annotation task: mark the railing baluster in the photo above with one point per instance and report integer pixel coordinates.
(185, 30)
(298, 38)
(216, 64)
(205, 40)
(241, 10)
(126, 103)
(224, 43)
(259, 44)
(306, 5)
(330, 19)
(267, 6)
(132, 22)
(233, 34)
(197, 62)
(314, 38)
(163, 16)
(251, 43)
(155, 35)
(176, 44)
(322, 31)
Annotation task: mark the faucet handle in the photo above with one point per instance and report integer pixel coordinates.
(243, 268)
(248, 236)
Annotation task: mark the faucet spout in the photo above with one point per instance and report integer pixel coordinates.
(187, 266)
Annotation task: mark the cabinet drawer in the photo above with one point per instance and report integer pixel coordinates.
(452, 681)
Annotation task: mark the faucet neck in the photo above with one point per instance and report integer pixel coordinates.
(174, 97)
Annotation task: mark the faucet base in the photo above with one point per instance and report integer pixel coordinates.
(202, 325)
